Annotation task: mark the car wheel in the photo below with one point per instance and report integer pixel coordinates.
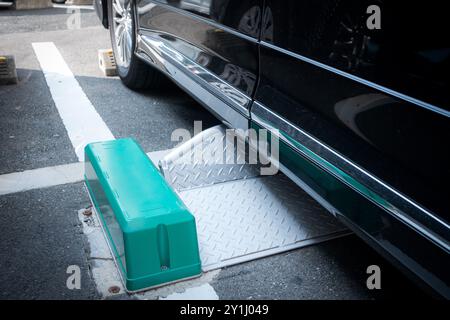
(133, 72)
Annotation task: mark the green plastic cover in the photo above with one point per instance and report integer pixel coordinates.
(151, 232)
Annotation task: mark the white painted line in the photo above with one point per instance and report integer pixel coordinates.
(52, 176)
(41, 178)
(6, 4)
(83, 124)
(203, 292)
(69, 6)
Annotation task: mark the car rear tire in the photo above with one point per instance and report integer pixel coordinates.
(133, 72)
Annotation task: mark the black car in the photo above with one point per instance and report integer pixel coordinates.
(359, 91)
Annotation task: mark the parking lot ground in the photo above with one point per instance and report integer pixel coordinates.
(40, 233)
(41, 237)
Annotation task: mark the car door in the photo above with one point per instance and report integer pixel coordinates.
(217, 39)
(369, 107)
(378, 97)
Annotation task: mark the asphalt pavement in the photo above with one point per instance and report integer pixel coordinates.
(40, 233)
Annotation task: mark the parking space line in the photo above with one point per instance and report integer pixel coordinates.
(70, 6)
(83, 124)
(41, 178)
(52, 176)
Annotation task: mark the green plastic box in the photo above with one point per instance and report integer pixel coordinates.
(149, 229)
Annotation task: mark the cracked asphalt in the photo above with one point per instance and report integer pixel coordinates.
(40, 234)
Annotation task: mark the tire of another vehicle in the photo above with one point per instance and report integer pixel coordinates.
(137, 74)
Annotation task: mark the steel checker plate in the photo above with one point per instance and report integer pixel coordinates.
(219, 161)
(242, 220)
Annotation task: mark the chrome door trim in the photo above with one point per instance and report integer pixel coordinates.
(150, 43)
(347, 75)
(397, 204)
(229, 104)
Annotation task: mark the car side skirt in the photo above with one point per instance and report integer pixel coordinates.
(403, 241)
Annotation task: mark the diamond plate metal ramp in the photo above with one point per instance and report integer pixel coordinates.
(208, 158)
(242, 216)
(243, 220)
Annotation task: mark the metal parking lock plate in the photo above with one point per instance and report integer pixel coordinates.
(242, 220)
(208, 158)
(242, 215)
